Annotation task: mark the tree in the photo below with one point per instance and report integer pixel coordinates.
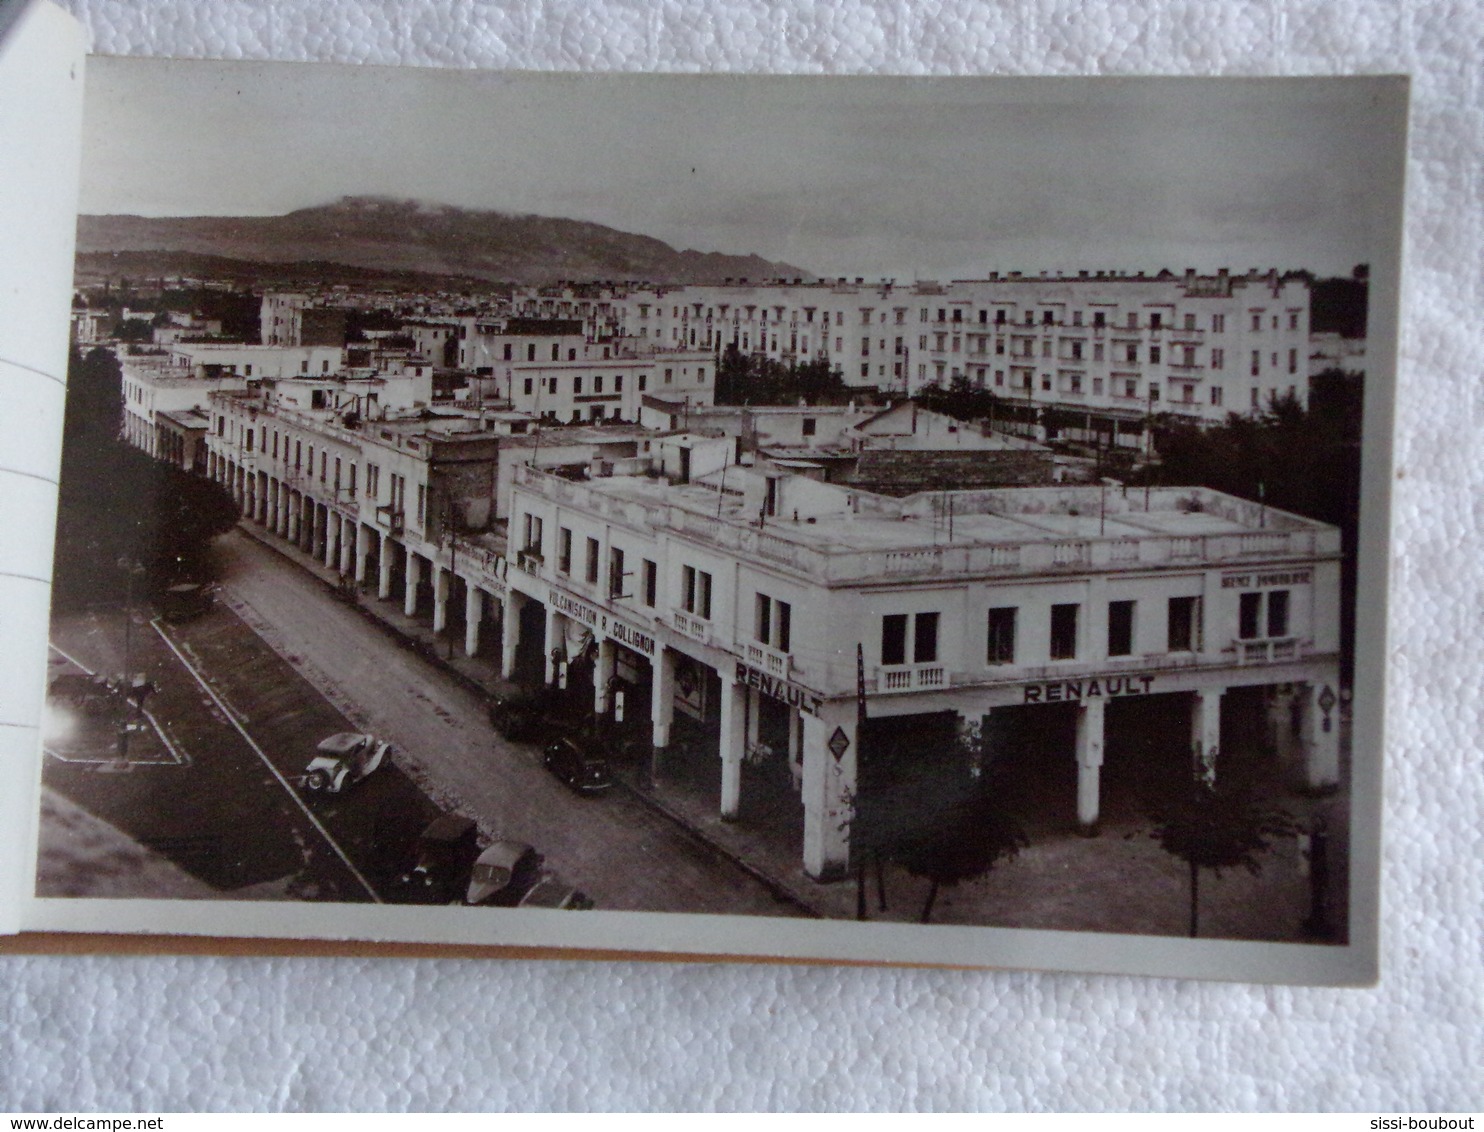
(756, 379)
(1215, 824)
(931, 800)
(115, 502)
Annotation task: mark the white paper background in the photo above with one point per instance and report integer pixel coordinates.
(195, 1033)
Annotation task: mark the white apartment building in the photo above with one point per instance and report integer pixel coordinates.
(256, 361)
(1115, 346)
(743, 601)
(153, 388)
(595, 382)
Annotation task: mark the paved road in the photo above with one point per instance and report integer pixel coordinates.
(613, 847)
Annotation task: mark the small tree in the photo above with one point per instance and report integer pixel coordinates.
(973, 835)
(1216, 824)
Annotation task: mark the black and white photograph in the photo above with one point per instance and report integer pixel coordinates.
(895, 519)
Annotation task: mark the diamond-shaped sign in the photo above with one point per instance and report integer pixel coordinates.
(839, 743)
(1327, 699)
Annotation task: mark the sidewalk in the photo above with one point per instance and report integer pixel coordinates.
(1120, 882)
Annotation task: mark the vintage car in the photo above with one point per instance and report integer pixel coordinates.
(440, 862)
(515, 715)
(187, 600)
(550, 892)
(343, 760)
(503, 874)
(575, 763)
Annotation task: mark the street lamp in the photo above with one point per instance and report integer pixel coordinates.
(132, 568)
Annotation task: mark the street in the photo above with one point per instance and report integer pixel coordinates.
(248, 690)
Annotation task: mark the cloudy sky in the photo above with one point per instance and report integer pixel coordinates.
(907, 178)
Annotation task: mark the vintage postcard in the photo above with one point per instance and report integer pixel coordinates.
(914, 520)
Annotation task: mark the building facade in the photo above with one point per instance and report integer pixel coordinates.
(779, 606)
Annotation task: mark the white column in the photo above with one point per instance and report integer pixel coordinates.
(273, 492)
(332, 538)
(384, 567)
(285, 501)
(473, 613)
(409, 589)
(554, 643)
(754, 703)
(262, 498)
(1089, 762)
(829, 789)
(603, 676)
(1321, 733)
(350, 531)
(732, 744)
(796, 747)
(1205, 729)
(510, 631)
(662, 695)
(295, 516)
(442, 580)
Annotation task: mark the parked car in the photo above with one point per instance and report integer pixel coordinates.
(187, 601)
(503, 874)
(582, 769)
(441, 860)
(515, 715)
(343, 760)
(550, 892)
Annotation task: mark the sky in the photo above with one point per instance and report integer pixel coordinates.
(877, 177)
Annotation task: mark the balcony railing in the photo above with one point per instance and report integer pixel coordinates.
(910, 677)
(1270, 651)
(769, 660)
(697, 628)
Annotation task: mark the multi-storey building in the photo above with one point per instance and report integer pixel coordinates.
(1116, 347)
(596, 382)
(782, 611)
(154, 390)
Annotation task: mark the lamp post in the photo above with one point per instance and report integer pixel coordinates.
(132, 568)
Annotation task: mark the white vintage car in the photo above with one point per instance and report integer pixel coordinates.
(343, 760)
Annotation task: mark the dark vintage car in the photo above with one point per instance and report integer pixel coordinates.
(550, 892)
(516, 715)
(187, 601)
(441, 861)
(343, 760)
(503, 874)
(577, 764)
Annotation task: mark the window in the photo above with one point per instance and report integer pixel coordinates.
(1154, 355)
(1218, 324)
(1190, 322)
(1077, 350)
(1097, 351)
(592, 560)
(894, 638)
(1216, 395)
(774, 622)
(1257, 321)
(1153, 391)
(1063, 632)
(617, 382)
(531, 352)
(1120, 628)
(1249, 618)
(1099, 319)
(1130, 388)
(1155, 319)
(1256, 363)
(1278, 613)
(249, 441)
(810, 425)
(507, 352)
(925, 639)
(533, 533)
(615, 572)
(564, 550)
(352, 483)
(651, 582)
(1131, 353)
(422, 504)
(1293, 361)
(1218, 359)
(643, 382)
(556, 352)
(1048, 318)
(577, 385)
(1293, 320)
(1184, 624)
(696, 591)
(1001, 635)
(528, 386)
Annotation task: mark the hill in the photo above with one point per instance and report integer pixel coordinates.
(392, 237)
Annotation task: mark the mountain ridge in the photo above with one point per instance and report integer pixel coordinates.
(397, 236)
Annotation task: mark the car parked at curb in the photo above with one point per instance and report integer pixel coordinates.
(572, 761)
(503, 874)
(552, 892)
(343, 760)
(515, 715)
(441, 861)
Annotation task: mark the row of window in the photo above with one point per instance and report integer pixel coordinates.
(1262, 614)
(1002, 317)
